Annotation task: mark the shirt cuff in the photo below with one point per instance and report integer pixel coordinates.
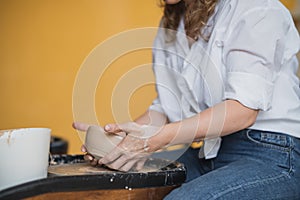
(156, 106)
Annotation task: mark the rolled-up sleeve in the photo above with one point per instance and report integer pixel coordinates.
(156, 106)
(253, 55)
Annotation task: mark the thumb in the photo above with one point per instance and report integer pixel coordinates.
(112, 128)
(126, 127)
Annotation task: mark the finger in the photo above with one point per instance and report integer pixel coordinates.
(124, 163)
(88, 157)
(126, 127)
(117, 164)
(83, 149)
(140, 164)
(128, 165)
(80, 126)
(94, 162)
(111, 157)
(115, 131)
(112, 128)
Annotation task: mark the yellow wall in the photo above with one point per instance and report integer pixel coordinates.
(289, 3)
(42, 46)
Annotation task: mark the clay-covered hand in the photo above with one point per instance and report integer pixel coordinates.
(133, 151)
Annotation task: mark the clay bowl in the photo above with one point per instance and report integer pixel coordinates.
(99, 143)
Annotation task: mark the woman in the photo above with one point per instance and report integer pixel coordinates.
(226, 74)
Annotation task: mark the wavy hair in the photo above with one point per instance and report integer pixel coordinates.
(196, 14)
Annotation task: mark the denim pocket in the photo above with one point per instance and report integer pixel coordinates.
(269, 139)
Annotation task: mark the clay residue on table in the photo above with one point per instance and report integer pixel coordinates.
(75, 169)
(85, 168)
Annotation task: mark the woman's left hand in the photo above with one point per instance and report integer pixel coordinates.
(133, 151)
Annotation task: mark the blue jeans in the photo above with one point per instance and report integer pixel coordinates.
(251, 164)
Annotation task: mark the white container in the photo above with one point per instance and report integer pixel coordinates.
(24, 155)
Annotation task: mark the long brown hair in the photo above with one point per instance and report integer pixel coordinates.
(196, 14)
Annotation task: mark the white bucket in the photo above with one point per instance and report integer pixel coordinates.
(24, 155)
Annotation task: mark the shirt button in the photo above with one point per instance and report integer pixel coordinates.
(219, 43)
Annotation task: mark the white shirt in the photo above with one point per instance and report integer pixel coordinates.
(250, 57)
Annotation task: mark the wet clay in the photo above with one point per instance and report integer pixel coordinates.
(3, 132)
(76, 169)
(9, 136)
(86, 168)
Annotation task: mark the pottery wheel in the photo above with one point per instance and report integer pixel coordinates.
(74, 165)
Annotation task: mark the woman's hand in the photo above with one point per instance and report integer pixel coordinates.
(133, 151)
